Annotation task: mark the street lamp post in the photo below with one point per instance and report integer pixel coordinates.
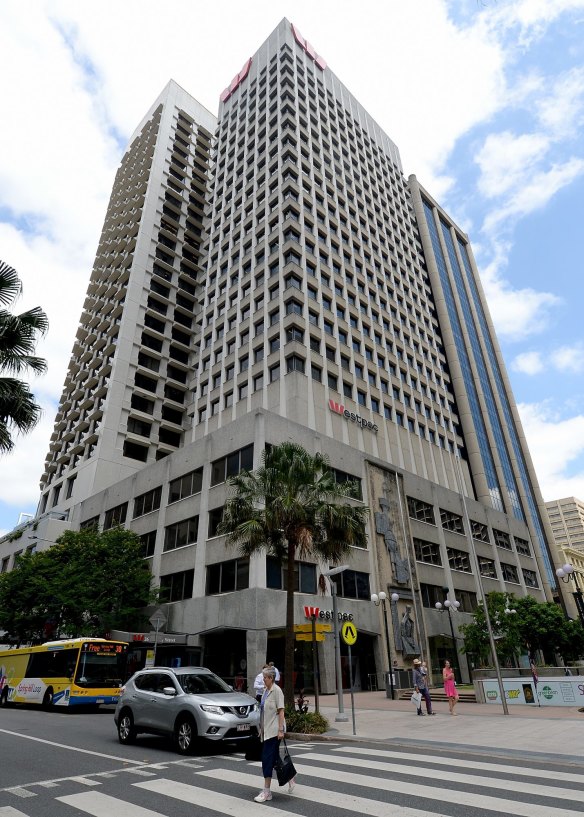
(340, 716)
(450, 606)
(568, 573)
(377, 599)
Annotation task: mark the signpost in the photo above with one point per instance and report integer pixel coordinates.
(349, 634)
(158, 619)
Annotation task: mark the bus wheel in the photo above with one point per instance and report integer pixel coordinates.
(48, 698)
(126, 728)
(4, 698)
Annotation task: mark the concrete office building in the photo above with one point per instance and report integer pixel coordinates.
(566, 517)
(321, 297)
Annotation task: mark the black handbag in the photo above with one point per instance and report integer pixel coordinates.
(285, 770)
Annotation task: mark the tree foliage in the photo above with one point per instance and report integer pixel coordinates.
(87, 584)
(291, 507)
(534, 626)
(18, 338)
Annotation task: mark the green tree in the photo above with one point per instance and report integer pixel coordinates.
(291, 507)
(88, 583)
(18, 338)
(534, 626)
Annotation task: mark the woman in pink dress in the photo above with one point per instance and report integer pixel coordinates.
(449, 686)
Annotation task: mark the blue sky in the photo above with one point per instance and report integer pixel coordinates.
(485, 101)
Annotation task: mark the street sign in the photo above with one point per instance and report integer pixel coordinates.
(349, 633)
(308, 637)
(307, 628)
(158, 619)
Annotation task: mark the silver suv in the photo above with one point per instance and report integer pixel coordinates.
(185, 704)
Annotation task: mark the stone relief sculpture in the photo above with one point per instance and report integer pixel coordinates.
(408, 638)
(400, 568)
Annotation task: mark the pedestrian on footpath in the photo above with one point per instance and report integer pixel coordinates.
(421, 685)
(272, 729)
(258, 684)
(450, 686)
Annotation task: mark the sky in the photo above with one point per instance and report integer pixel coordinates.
(484, 99)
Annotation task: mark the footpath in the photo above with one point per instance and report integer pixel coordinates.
(529, 732)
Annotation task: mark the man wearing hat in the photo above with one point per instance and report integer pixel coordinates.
(421, 685)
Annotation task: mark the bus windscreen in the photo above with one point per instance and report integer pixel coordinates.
(101, 665)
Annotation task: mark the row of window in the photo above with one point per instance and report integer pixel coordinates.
(424, 512)
(233, 574)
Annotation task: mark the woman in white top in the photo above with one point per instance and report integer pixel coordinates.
(271, 731)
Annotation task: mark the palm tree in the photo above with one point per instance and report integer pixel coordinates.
(292, 507)
(18, 338)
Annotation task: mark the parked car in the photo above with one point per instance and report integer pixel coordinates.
(185, 704)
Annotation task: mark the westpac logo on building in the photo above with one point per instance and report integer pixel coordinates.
(338, 408)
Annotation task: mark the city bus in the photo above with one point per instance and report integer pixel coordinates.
(69, 672)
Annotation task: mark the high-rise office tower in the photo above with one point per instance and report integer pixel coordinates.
(323, 298)
(567, 521)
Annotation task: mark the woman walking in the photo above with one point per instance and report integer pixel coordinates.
(450, 686)
(271, 732)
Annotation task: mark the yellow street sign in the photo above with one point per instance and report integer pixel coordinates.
(308, 637)
(307, 628)
(349, 633)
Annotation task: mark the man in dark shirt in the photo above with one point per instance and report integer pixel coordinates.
(421, 685)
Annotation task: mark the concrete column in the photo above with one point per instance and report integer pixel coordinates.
(256, 648)
(328, 683)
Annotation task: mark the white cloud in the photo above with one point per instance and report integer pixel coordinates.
(516, 312)
(506, 159)
(528, 363)
(560, 111)
(569, 358)
(533, 194)
(557, 449)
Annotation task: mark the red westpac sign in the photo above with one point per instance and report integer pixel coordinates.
(338, 408)
(308, 48)
(237, 79)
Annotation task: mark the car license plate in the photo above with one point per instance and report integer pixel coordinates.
(242, 727)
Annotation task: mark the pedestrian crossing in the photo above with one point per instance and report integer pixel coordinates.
(332, 780)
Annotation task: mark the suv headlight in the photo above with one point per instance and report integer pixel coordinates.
(216, 710)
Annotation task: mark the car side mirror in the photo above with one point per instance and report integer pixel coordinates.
(170, 691)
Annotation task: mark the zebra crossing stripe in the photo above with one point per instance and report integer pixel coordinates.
(566, 777)
(340, 800)
(204, 799)
(444, 795)
(103, 805)
(8, 811)
(518, 786)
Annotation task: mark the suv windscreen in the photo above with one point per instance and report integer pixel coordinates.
(203, 684)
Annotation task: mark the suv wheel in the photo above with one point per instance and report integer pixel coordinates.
(126, 728)
(185, 733)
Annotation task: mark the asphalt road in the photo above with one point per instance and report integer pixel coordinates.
(60, 764)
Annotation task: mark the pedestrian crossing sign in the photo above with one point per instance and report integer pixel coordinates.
(349, 633)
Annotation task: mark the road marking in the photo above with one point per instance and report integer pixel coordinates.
(460, 798)
(342, 800)
(568, 777)
(204, 799)
(71, 748)
(20, 791)
(102, 805)
(528, 787)
(141, 772)
(8, 811)
(85, 781)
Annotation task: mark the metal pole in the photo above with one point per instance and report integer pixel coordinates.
(314, 673)
(156, 638)
(341, 714)
(351, 688)
(458, 474)
(457, 667)
(388, 649)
